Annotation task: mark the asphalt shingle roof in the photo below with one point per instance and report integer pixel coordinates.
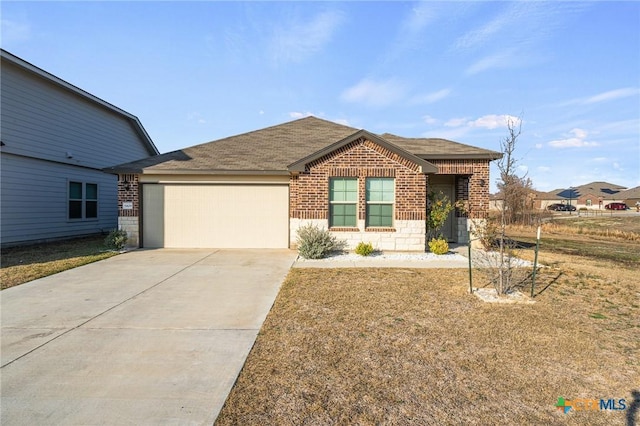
(601, 189)
(273, 149)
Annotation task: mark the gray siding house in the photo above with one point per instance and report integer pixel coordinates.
(55, 141)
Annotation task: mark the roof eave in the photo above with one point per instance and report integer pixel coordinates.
(142, 171)
(480, 156)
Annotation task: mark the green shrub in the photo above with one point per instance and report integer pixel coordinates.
(116, 239)
(438, 246)
(316, 243)
(364, 249)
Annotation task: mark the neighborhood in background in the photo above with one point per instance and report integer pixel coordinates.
(591, 196)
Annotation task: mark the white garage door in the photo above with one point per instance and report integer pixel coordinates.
(215, 216)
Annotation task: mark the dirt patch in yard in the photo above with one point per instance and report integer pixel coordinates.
(405, 346)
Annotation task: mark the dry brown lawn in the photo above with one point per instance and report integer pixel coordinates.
(403, 346)
(26, 263)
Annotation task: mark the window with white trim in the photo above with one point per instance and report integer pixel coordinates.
(343, 202)
(83, 200)
(380, 197)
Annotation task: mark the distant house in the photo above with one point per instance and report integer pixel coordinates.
(255, 190)
(630, 196)
(55, 141)
(594, 195)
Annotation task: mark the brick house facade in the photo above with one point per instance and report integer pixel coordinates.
(358, 157)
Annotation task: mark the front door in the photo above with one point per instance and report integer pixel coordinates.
(446, 185)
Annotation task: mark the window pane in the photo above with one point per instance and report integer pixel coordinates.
(342, 215)
(351, 185)
(380, 215)
(343, 189)
(374, 185)
(75, 209)
(92, 191)
(75, 191)
(380, 189)
(350, 210)
(91, 209)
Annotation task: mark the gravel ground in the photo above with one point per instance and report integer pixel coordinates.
(381, 256)
(481, 259)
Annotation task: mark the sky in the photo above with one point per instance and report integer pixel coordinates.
(193, 72)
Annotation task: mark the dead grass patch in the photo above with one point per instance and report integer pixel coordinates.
(26, 263)
(401, 346)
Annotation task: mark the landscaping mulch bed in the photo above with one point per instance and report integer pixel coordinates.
(409, 346)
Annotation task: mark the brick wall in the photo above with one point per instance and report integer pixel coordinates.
(128, 192)
(309, 191)
(128, 220)
(472, 183)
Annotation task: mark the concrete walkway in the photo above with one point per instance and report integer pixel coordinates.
(150, 337)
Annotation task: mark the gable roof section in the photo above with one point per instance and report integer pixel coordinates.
(629, 193)
(598, 189)
(424, 166)
(281, 148)
(137, 125)
(438, 149)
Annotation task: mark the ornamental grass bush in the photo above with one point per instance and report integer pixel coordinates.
(316, 243)
(439, 246)
(364, 249)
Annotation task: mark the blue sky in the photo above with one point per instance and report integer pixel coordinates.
(199, 71)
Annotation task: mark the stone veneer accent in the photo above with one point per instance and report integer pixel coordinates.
(408, 235)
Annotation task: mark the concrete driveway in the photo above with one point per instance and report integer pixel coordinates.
(147, 337)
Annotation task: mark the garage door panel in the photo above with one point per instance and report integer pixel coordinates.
(225, 216)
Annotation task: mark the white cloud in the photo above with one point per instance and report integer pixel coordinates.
(543, 169)
(538, 146)
(490, 121)
(375, 93)
(261, 112)
(430, 120)
(430, 98)
(342, 121)
(452, 134)
(456, 122)
(617, 166)
(523, 168)
(603, 97)
(612, 94)
(493, 121)
(577, 141)
(503, 59)
(14, 31)
(420, 17)
(599, 160)
(299, 40)
(297, 114)
(196, 117)
(481, 35)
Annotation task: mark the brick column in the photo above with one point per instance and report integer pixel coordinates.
(129, 208)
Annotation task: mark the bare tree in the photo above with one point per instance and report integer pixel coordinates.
(503, 267)
(511, 186)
